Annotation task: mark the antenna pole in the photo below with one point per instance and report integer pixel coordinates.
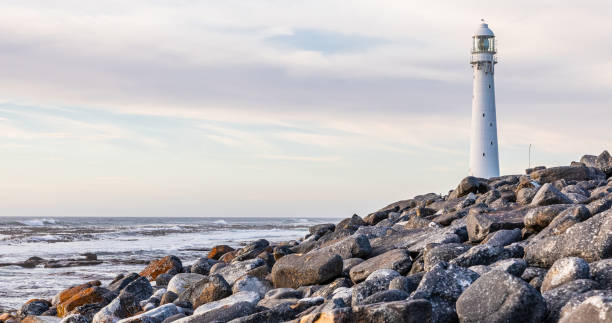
(529, 156)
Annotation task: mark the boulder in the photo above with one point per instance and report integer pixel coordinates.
(558, 297)
(181, 282)
(503, 238)
(568, 173)
(513, 266)
(227, 309)
(415, 240)
(127, 303)
(407, 284)
(390, 295)
(282, 293)
(217, 251)
(413, 311)
(313, 268)
(207, 289)
(468, 185)
(90, 295)
(163, 280)
(601, 272)
(278, 314)
(355, 246)
(156, 315)
(162, 266)
(34, 307)
(235, 270)
(593, 309)
(251, 250)
(121, 282)
(68, 293)
(377, 281)
(321, 229)
(486, 254)
(40, 319)
(564, 220)
(603, 162)
(328, 290)
(564, 271)
(202, 266)
(398, 260)
(442, 253)
(75, 318)
(479, 225)
(248, 283)
(168, 297)
(525, 195)
(548, 194)
(351, 224)
(575, 301)
(348, 264)
(441, 286)
(589, 240)
(539, 218)
(500, 297)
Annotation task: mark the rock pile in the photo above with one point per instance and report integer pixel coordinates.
(518, 248)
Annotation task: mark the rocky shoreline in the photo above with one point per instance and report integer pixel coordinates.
(518, 248)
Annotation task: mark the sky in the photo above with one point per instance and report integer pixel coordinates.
(282, 108)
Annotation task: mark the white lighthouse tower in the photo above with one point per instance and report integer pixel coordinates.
(484, 158)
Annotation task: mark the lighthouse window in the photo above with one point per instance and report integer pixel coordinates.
(491, 143)
(483, 115)
(491, 124)
(483, 154)
(489, 86)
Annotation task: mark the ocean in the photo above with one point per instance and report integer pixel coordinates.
(121, 244)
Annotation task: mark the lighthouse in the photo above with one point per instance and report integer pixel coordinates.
(484, 157)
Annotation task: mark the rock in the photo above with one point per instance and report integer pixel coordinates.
(442, 253)
(407, 284)
(398, 260)
(376, 217)
(567, 173)
(180, 282)
(557, 298)
(600, 205)
(281, 313)
(68, 293)
(486, 254)
(539, 218)
(355, 246)
(217, 251)
(205, 290)
(281, 251)
(479, 225)
(248, 283)
(415, 240)
(229, 308)
(162, 266)
(41, 319)
(118, 284)
(251, 250)
(564, 271)
(603, 162)
(589, 240)
(391, 295)
(163, 280)
(87, 311)
(533, 272)
(377, 281)
(601, 272)
(202, 266)
(468, 185)
(168, 297)
(500, 297)
(310, 269)
(327, 291)
(525, 195)
(335, 315)
(441, 286)
(235, 270)
(566, 219)
(513, 266)
(575, 301)
(503, 238)
(156, 315)
(352, 224)
(548, 195)
(34, 307)
(127, 303)
(283, 293)
(174, 317)
(348, 264)
(75, 318)
(398, 311)
(88, 296)
(321, 229)
(593, 309)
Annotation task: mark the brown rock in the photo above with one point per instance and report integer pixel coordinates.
(68, 293)
(161, 266)
(88, 296)
(314, 268)
(218, 251)
(340, 315)
(568, 173)
(228, 256)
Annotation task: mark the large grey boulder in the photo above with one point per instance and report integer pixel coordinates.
(479, 225)
(469, 185)
(601, 272)
(548, 194)
(415, 240)
(127, 303)
(486, 254)
(156, 315)
(500, 297)
(355, 246)
(229, 308)
(590, 240)
(235, 270)
(568, 173)
(444, 252)
(202, 266)
(398, 260)
(441, 286)
(602, 162)
(539, 218)
(180, 282)
(593, 310)
(377, 281)
(503, 238)
(564, 220)
(575, 301)
(400, 311)
(251, 250)
(556, 298)
(564, 271)
(208, 289)
(313, 268)
(249, 283)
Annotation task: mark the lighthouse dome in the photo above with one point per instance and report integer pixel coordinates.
(484, 30)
